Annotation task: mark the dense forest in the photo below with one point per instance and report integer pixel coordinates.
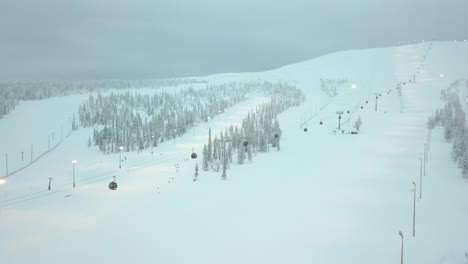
(260, 131)
(330, 87)
(11, 93)
(137, 121)
(452, 117)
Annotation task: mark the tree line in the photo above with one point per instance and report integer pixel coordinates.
(137, 121)
(452, 117)
(330, 87)
(11, 93)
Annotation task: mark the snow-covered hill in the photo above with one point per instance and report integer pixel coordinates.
(326, 197)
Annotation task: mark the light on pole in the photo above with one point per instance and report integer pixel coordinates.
(175, 130)
(152, 144)
(402, 241)
(120, 157)
(414, 210)
(73, 162)
(376, 99)
(3, 180)
(339, 113)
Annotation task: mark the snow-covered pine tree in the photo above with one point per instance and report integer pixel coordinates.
(458, 145)
(209, 146)
(358, 123)
(205, 158)
(195, 177)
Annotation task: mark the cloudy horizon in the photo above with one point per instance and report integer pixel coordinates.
(103, 39)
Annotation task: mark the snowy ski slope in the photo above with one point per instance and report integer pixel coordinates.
(324, 198)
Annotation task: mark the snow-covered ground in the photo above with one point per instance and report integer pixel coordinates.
(323, 198)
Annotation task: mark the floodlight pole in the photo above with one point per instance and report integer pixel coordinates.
(339, 113)
(402, 241)
(376, 99)
(120, 157)
(414, 210)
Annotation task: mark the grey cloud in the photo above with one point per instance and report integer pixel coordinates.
(51, 39)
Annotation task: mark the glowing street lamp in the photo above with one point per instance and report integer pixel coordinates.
(414, 210)
(402, 239)
(73, 162)
(120, 156)
(3, 180)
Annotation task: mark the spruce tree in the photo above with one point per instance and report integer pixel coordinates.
(195, 177)
(209, 153)
(205, 158)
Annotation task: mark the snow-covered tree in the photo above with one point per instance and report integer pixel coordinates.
(358, 123)
(195, 177)
(205, 158)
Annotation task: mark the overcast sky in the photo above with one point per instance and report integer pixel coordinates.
(100, 39)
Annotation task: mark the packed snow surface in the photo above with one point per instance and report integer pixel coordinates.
(325, 197)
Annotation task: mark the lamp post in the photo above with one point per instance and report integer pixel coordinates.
(414, 210)
(376, 99)
(339, 113)
(152, 144)
(402, 241)
(194, 124)
(73, 162)
(175, 130)
(120, 157)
